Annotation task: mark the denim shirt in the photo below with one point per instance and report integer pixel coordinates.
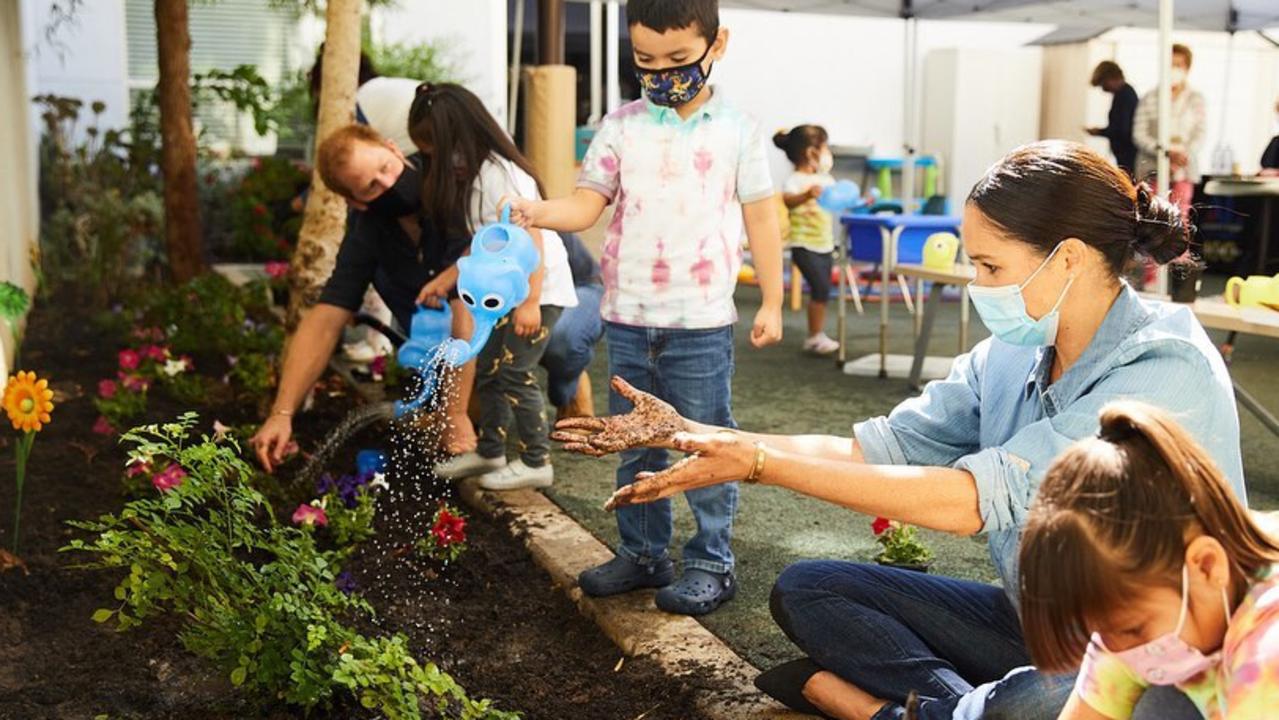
(999, 416)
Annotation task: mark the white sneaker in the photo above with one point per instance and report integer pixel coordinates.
(467, 465)
(517, 475)
(360, 352)
(820, 344)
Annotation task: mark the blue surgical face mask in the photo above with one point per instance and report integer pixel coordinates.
(1003, 310)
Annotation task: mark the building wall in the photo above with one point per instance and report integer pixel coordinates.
(19, 214)
(474, 33)
(86, 58)
(841, 72)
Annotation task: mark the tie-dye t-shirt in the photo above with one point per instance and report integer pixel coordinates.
(674, 247)
(1245, 686)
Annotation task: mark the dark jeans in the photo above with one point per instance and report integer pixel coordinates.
(508, 393)
(693, 371)
(572, 344)
(957, 643)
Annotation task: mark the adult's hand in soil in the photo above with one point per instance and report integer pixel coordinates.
(272, 440)
(713, 459)
(651, 423)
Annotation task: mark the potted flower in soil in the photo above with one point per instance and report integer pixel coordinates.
(901, 547)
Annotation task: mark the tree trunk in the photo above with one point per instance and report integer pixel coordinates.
(324, 221)
(177, 156)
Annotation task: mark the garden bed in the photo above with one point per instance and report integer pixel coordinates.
(492, 619)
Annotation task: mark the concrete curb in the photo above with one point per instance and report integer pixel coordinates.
(680, 645)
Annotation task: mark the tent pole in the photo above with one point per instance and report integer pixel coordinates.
(1164, 174)
(513, 89)
(909, 61)
(597, 61)
(612, 48)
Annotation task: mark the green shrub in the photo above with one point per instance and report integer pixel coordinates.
(254, 596)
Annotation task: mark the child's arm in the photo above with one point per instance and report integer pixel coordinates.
(765, 240)
(796, 199)
(528, 316)
(436, 290)
(574, 213)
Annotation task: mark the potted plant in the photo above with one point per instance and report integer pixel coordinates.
(901, 547)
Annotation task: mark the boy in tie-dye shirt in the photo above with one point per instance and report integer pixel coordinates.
(686, 174)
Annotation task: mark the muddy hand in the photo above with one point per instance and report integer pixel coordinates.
(713, 459)
(651, 423)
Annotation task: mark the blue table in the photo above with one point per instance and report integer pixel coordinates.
(885, 240)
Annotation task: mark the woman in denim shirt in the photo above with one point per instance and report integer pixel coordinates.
(1051, 230)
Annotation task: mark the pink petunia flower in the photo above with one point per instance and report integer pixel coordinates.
(277, 270)
(129, 359)
(168, 478)
(136, 468)
(156, 353)
(106, 388)
(103, 427)
(308, 515)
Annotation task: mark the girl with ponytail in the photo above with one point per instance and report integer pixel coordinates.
(1139, 559)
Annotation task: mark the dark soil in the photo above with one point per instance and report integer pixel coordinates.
(493, 619)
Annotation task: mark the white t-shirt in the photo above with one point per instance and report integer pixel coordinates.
(385, 103)
(498, 177)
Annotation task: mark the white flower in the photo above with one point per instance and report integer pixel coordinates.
(379, 481)
(219, 430)
(175, 367)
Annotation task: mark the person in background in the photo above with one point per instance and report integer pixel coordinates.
(1140, 560)
(572, 345)
(471, 164)
(687, 173)
(388, 246)
(1123, 106)
(1270, 158)
(1187, 131)
(812, 239)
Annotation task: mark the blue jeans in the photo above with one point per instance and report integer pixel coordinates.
(693, 371)
(956, 643)
(572, 344)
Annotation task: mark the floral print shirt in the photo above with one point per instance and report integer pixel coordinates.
(674, 246)
(1244, 686)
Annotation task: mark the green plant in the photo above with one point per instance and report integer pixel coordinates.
(99, 202)
(210, 314)
(242, 87)
(899, 544)
(254, 596)
(255, 372)
(264, 223)
(427, 62)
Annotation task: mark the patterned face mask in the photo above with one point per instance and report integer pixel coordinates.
(672, 87)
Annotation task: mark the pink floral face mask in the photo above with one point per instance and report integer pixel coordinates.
(1169, 660)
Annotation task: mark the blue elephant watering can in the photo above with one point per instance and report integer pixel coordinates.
(492, 281)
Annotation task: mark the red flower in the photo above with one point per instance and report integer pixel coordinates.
(378, 366)
(102, 427)
(259, 209)
(881, 525)
(156, 353)
(168, 478)
(449, 528)
(107, 388)
(277, 270)
(129, 360)
(309, 515)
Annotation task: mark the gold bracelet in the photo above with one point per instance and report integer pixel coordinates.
(285, 413)
(757, 469)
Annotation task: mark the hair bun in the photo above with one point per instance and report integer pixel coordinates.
(781, 138)
(1160, 233)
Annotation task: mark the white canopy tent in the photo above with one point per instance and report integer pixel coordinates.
(1211, 15)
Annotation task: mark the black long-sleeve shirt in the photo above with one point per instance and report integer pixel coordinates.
(1119, 132)
(1270, 158)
